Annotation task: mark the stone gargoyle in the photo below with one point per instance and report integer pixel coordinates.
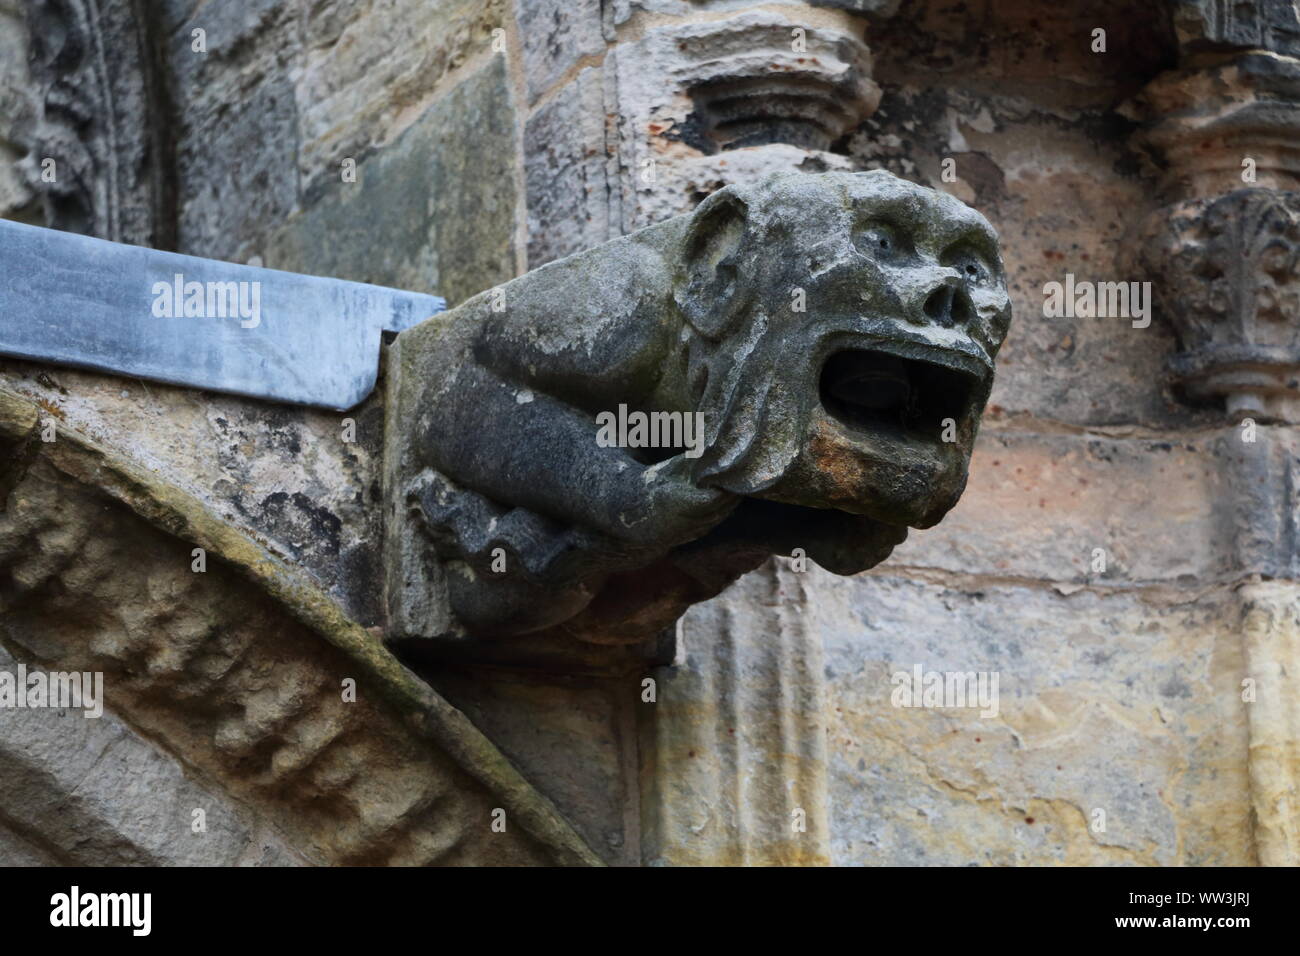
(813, 352)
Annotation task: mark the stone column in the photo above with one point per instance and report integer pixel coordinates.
(1271, 635)
(1224, 255)
(735, 754)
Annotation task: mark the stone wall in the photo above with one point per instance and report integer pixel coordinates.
(1122, 559)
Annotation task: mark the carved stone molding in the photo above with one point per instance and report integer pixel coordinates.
(1227, 276)
(750, 87)
(735, 761)
(237, 670)
(100, 117)
(686, 106)
(1208, 127)
(705, 90)
(1271, 638)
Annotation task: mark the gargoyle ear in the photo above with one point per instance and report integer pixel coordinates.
(712, 288)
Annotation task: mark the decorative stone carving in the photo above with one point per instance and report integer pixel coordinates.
(1223, 257)
(1212, 25)
(684, 106)
(1228, 280)
(1204, 124)
(693, 95)
(832, 335)
(100, 102)
(750, 88)
(238, 672)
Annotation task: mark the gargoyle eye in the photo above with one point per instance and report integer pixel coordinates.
(971, 264)
(882, 240)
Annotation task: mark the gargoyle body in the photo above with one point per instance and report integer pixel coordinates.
(834, 332)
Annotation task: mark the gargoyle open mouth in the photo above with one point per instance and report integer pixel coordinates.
(878, 392)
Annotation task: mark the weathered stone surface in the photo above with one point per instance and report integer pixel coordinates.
(1201, 125)
(893, 299)
(243, 668)
(1127, 703)
(1228, 275)
(16, 110)
(433, 211)
(618, 12)
(1271, 630)
(353, 68)
(237, 137)
(570, 207)
(1210, 26)
(1025, 166)
(556, 35)
(283, 474)
(1263, 510)
(98, 795)
(17, 850)
(574, 738)
(1038, 506)
(734, 750)
(703, 103)
(96, 118)
(1014, 94)
(880, 8)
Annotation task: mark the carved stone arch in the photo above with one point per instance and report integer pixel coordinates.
(101, 115)
(253, 707)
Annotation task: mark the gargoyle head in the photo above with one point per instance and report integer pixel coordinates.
(835, 335)
(846, 326)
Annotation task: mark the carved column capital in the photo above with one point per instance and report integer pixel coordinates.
(1226, 277)
(1222, 135)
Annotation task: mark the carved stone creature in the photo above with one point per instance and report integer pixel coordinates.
(837, 332)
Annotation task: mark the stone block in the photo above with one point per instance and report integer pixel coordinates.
(1113, 702)
(359, 89)
(567, 172)
(1037, 506)
(237, 171)
(237, 136)
(432, 212)
(556, 35)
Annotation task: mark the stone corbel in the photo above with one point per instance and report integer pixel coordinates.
(689, 98)
(1223, 132)
(705, 101)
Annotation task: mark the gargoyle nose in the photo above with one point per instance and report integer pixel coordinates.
(949, 305)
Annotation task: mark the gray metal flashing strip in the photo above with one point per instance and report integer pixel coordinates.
(85, 302)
